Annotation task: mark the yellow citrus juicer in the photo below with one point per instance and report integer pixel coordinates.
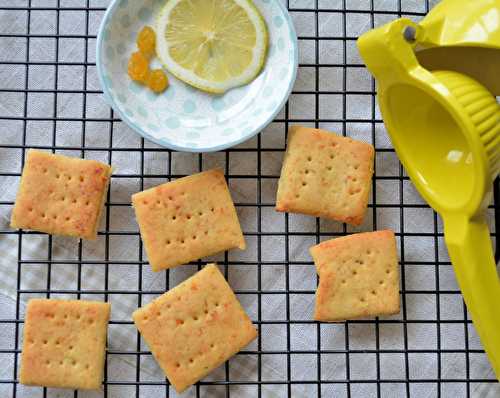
(445, 127)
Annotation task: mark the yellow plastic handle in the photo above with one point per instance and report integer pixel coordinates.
(386, 52)
(471, 252)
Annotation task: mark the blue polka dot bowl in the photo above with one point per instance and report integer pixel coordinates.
(184, 118)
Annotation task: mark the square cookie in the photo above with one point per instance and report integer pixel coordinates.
(325, 175)
(358, 276)
(64, 343)
(60, 195)
(195, 327)
(187, 219)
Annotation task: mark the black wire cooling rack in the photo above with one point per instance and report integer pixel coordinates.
(379, 382)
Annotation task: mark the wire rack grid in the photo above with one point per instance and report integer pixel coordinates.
(47, 71)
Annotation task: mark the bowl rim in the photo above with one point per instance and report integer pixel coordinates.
(166, 142)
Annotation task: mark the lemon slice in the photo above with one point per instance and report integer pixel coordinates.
(213, 45)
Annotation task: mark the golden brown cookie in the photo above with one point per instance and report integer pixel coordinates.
(195, 327)
(325, 175)
(64, 343)
(60, 195)
(187, 219)
(358, 276)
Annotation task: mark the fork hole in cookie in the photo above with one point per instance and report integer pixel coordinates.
(374, 292)
(200, 213)
(177, 365)
(174, 218)
(47, 362)
(195, 318)
(212, 345)
(306, 172)
(343, 281)
(387, 271)
(355, 272)
(304, 183)
(74, 363)
(329, 168)
(191, 360)
(309, 159)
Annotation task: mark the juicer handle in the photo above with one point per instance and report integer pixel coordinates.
(388, 51)
(471, 252)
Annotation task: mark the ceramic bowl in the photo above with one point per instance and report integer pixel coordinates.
(183, 117)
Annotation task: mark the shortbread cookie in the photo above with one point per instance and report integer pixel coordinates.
(60, 195)
(64, 343)
(358, 276)
(325, 175)
(195, 327)
(187, 219)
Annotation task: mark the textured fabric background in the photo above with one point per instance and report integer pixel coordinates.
(273, 262)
